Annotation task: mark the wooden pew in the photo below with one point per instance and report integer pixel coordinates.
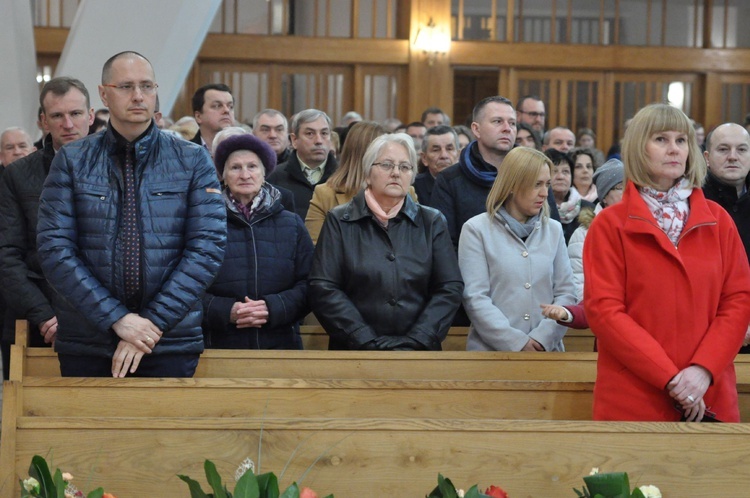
(136, 455)
(314, 337)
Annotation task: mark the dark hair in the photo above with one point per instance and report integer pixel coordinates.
(199, 97)
(525, 98)
(439, 130)
(108, 65)
(558, 157)
(60, 86)
(583, 151)
(432, 110)
(484, 102)
(414, 124)
(537, 139)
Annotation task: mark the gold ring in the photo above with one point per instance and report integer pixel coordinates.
(149, 339)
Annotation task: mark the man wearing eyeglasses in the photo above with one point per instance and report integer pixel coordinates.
(131, 231)
(530, 110)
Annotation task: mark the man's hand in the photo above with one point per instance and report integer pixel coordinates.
(747, 337)
(48, 330)
(138, 331)
(126, 357)
(249, 313)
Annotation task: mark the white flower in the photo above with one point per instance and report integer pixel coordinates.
(460, 493)
(31, 484)
(594, 471)
(67, 477)
(246, 465)
(650, 491)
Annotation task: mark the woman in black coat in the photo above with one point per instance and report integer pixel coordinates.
(385, 275)
(260, 293)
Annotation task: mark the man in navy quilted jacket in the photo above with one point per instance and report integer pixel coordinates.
(132, 229)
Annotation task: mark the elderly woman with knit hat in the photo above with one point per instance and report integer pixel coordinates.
(260, 293)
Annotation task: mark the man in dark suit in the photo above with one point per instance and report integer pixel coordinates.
(213, 108)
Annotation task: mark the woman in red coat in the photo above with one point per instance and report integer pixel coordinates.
(667, 289)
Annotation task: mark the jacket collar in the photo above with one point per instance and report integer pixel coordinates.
(640, 219)
(357, 209)
(115, 142)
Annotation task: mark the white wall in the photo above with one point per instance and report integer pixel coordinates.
(169, 33)
(18, 86)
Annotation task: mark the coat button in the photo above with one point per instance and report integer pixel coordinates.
(392, 302)
(391, 256)
(527, 285)
(346, 217)
(525, 254)
(526, 316)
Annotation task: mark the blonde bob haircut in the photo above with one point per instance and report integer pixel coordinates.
(518, 173)
(657, 118)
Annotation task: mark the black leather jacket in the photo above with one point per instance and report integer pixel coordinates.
(367, 281)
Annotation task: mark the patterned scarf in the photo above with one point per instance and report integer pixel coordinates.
(670, 208)
(569, 209)
(247, 210)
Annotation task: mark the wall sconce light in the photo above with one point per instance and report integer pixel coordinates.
(432, 41)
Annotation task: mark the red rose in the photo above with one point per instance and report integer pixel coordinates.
(307, 493)
(496, 492)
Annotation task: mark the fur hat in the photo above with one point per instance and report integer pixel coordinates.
(244, 142)
(607, 176)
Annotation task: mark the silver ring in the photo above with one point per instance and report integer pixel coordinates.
(691, 399)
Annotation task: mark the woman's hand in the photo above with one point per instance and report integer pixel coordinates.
(249, 313)
(554, 311)
(689, 386)
(532, 345)
(695, 414)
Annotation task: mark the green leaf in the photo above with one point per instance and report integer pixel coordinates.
(474, 492)
(59, 484)
(247, 486)
(291, 492)
(637, 493)
(39, 470)
(447, 489)
(195, 489)
(268, 485)
(609, 485)
(97, 493)
(214, 480)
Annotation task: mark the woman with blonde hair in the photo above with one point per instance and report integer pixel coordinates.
(348, 178)
(667, 288)
(513, 258)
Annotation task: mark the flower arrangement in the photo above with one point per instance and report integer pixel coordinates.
(613, 485)
(43, 484)
(446, 489)
(248, 484)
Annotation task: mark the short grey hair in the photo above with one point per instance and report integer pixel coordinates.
(270, 112)
(307, 116)
(437, 131)
(373, 151)
(17, 128)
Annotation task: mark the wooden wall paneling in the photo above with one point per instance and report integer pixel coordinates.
(507, 81)
(606, 125)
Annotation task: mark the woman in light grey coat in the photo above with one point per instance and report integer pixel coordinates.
(514, 258)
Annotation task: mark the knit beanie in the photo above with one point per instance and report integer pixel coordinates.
(607, 176)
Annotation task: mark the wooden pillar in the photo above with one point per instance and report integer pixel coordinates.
(429, 84)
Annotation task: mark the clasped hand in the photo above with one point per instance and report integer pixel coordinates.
(249, 313)
(138, 336)
(393, 343)
(687, 389)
